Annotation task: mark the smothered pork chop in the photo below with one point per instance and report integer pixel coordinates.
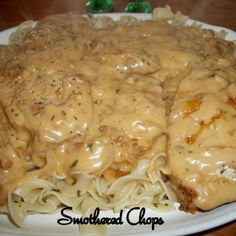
(97, 113)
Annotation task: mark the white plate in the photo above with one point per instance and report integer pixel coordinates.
(176, 222)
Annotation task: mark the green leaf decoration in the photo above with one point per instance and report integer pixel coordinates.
(99, 6)
(139, 6)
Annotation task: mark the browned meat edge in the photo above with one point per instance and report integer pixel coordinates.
(185, 195)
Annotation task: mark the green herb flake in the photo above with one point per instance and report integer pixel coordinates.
(155, 204)
(73, 164)
(52, 118)
(222, 171)
(78, 193)
(165, 197)
(90, 146)
(111, 195)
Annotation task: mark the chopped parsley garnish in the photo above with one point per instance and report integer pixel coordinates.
(74, 163)
(78, 193)
(90, 146)
(222, 171)
(165, 197)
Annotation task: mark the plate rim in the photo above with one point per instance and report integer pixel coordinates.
(189, 229)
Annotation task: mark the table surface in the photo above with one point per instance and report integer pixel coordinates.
(216, 12)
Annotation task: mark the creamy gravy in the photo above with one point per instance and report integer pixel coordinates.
(99, 100)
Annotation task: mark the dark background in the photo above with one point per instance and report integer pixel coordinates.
(218, 12)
